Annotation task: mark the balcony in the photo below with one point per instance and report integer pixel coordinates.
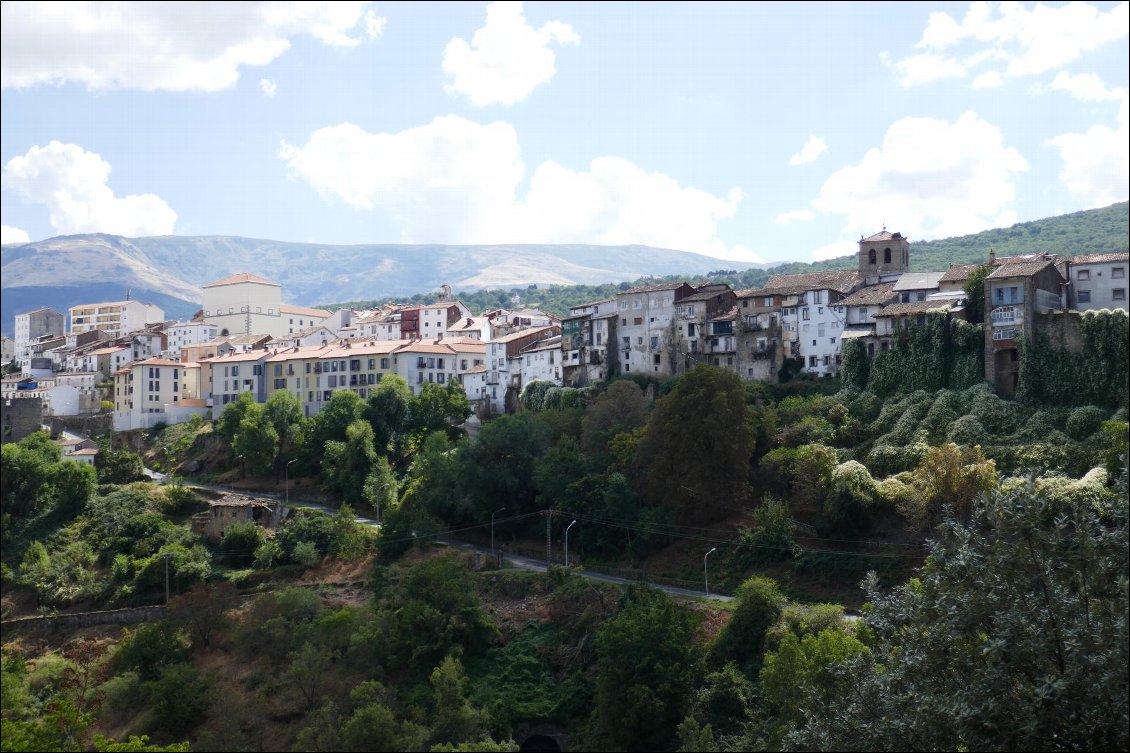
(1006, 315)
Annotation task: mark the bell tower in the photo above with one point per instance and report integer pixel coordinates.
(883, 255)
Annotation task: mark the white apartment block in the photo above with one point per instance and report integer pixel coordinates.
(181, 334)
(143, 390)
(1098, 281)
(30, 326)
(115, 318)
(7, 350)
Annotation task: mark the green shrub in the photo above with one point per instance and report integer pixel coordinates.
(967, 431)
(1085, 421)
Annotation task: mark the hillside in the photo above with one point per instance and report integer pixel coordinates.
(169, 270)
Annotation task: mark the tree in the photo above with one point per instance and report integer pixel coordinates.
(1013, 637)
(347, 464)
(695, 455)
(307, 671)
(203, 610)
(25, 474)
(454, 719)
(74, 485)
(240, 542)
(948, 476)
(975, 293)
(621, 408)
(647, 667)
(227, 425)
(381, 488)
(386, 410)
(742, 640)
(256, 440)
(284, 412)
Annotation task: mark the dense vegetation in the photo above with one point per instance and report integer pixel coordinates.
(991, 535)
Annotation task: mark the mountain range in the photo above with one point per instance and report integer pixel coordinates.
(170, 270)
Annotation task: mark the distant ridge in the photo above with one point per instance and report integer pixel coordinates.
(170, 270)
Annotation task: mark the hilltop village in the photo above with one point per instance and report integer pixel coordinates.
(245, 339)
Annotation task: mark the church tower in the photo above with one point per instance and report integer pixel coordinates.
(883, 256)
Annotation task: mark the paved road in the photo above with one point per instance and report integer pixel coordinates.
(518, 561)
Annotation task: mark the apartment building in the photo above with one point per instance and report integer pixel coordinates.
(115, 318)
(1098, 281)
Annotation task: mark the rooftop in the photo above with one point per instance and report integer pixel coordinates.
(1010, 268)
(914, 307)
(843, 281)
(240, 278)
(872, 295)
(918, 280)
(882, 236)
(1101, 258)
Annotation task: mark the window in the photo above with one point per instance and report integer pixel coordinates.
(871, 257)
(804, 313)
(886, 256)
(638, 321)
(1084, 296)
(1083, 274)
(812, 359)
(654, 343)
(1118, 294)
(1117, 273)
(384, 363)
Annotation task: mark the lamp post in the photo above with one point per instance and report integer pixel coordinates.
(567, 543)
(378, 503)
(705, 572)
(496, 512)
(287, 472)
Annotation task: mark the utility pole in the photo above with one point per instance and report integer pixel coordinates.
(548, 532)
(496, 512)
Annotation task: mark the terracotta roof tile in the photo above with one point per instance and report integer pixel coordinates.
(242, 277)
(872, 295)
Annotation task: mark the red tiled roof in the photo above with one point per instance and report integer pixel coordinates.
(1100, 258)
(872, 295)
(843, 281)
(1020, 268)
(882, 236)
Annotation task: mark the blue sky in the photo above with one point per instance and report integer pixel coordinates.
(750, 132)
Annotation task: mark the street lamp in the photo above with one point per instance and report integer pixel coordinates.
(378, 503)
(496, 512)
(287, 472)
(705, 572)
(567, 543)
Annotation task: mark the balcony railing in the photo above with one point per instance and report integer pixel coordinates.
(1006, 315)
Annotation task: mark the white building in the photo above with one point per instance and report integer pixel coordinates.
(181, 334)
(1098, 281)
(33, 325)
(115, 318)
(143, 390)
(244, 304)
(504, 379)
(541, 361)
(234, 374)
(7, 350)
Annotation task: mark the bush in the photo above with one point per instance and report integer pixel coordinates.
(887, 460)
(1085, 421)
(240, 543)
(772, 538)
(967, 431)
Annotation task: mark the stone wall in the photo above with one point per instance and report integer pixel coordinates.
(47, 624)
(20, 416)
(87, 426)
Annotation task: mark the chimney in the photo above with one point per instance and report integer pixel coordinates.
(992, 256)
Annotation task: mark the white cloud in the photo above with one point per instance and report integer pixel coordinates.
(72, 183)
(810, 152)
(988, 80)
(1096, 164)
(796, 215)
(1028, 41)
(9, 234)
(1086, 87)
(163, 46)
(507, 59)
(928, 179)
(268, 86)
(456, 181)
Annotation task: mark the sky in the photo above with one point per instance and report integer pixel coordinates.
(752, 132)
